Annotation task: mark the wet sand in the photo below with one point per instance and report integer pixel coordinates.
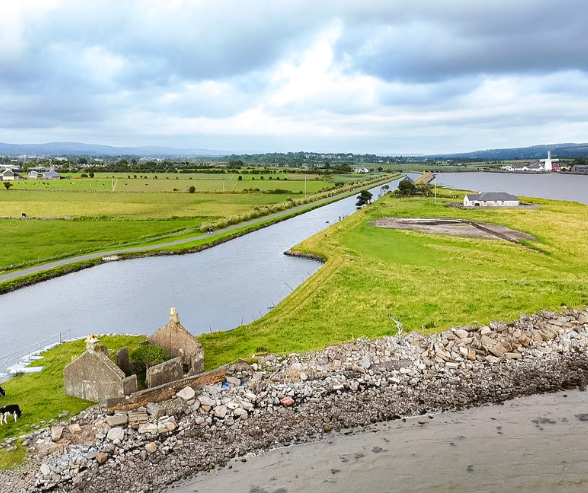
(531, 444)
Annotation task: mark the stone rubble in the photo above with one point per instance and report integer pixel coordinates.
(277, 401)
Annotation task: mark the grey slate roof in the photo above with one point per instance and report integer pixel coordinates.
(492, 196)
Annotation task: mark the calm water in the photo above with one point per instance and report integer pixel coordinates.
(557, 186)
(216, 289)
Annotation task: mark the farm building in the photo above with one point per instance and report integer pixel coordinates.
(51, 175)
(491, 199)
(8, 175)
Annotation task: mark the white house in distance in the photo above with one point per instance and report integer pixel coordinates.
(51, 175)
(491, 199)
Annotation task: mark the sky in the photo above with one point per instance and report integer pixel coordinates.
(376, 76)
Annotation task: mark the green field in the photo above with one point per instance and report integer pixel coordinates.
(427, 282)
(80, 215)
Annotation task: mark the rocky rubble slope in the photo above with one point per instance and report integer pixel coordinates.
(279, 401)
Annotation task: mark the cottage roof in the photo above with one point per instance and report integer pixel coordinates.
(492, 197)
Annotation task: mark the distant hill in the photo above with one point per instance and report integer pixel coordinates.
(533, 152)
(77, 148)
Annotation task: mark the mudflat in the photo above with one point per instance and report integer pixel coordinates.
(529, 444)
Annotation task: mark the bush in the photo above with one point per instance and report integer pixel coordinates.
(149, 355)
(192, 189)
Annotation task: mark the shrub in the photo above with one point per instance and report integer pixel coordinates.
(192, 189)
(149, 355)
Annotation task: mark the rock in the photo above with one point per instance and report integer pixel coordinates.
(287, 401)
(138, 418)
(151, 447)
(492, 359)
(45, 470)
(485, 330)
(117, 420)
(101, 457)
(206, 401)
(462, 334)
(303, 377)
(148, 428)
(233, 381)
(472, 355)
(354, 385)
(513, 355)
(154, 410)
(56, 432)
(582, 318)
(115, 434)
(186, 393)
(365, 362)
(487, 342)
(74, 429)
(239, 412)
(220, 411)
(452, 365)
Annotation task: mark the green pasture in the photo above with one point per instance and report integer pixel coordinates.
(427, 282)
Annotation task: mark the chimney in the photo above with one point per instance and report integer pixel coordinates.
(91, 342)
(173, 316)
(548, 154)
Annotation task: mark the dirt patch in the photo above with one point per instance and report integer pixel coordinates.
(456, 227)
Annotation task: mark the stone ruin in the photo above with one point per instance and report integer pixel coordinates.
(94, 377)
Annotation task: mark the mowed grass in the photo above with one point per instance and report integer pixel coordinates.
(427, 282)
(41, 396)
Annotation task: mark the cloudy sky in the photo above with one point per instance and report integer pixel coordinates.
(381, 76)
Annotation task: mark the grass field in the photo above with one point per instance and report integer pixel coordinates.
(428, 282)
(147, 210)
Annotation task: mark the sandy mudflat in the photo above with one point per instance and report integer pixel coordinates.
(531, 444)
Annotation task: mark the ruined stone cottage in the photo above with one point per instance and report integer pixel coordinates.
(94, 377)
(177, 342)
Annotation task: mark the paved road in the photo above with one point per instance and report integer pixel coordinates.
(90, 256)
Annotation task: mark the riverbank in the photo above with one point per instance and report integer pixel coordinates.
(280, 401)
(19, 279)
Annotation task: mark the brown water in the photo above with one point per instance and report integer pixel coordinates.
(533, 444)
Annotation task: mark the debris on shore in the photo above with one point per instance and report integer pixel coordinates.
(282, 400)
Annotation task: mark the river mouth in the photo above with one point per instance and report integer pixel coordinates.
(530, 444)
(454, 227)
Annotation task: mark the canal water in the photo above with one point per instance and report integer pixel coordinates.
(217, 289)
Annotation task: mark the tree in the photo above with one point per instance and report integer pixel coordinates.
(82, 160)
(7, 185)
(149, 355)
(192, 189)
(365, 197)
(385, 189)
(240, 178)
(406, 188)
(235, 164)
(91, 175)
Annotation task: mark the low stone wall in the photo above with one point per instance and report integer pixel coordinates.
(166, 372)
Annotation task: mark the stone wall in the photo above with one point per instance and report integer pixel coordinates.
(168, 371)
(95, 378)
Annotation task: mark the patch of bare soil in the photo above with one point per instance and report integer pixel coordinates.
(456, 227)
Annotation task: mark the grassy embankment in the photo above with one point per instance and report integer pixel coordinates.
(426, 281)
(99, 219)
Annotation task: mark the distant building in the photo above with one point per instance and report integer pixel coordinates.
(580, 168)
(548, 163)
(491, 199)
(361, 170)
(8, 175)
(34, 174)
(51, 175)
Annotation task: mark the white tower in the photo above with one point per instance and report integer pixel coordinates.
(547, 166)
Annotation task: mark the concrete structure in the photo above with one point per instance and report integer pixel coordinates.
(491, 199)
(176, 341)
(166, 372)
(92, 376)
(34, 174)
(548, 163)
